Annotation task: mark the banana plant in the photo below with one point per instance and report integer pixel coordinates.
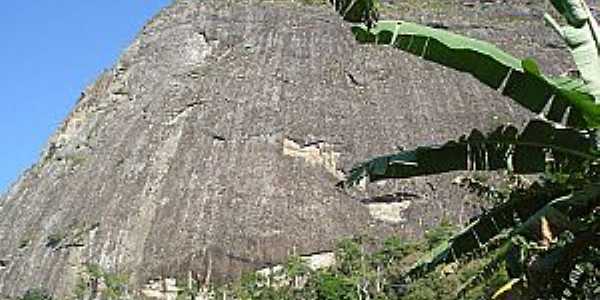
(582, 35)
(562, 140)
(562, 99)
(538, 148)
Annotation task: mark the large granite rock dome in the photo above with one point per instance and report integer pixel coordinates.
(217, 139)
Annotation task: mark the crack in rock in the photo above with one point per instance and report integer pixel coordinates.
(182, 112)
(3, 264)
(391, 198)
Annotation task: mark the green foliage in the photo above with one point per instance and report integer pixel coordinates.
(361, 274)
(504, 148)
(115, 284)
(331, 286)
(187, 291)
(36, 294)
(351, 256)
(581, 34)
(394, 250)
(439, 235)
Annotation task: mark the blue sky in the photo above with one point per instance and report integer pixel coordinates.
(49, 51)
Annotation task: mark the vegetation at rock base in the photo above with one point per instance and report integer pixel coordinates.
(360, 273)
(36, 294)
(97, 283)
(363, 269)
(366, 269)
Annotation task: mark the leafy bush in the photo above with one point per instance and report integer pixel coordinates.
(115, 284)
(36, 294)
(360, 274)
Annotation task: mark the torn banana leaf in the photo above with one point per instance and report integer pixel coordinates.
(523, 211)
(517, 79)
(539, 147)
(581, 37)
(491, 225)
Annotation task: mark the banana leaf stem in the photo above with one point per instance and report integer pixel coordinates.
(552, 22)
(594, 28)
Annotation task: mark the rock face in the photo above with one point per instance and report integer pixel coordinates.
(215, 143)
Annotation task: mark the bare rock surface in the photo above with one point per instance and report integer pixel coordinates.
(215, 143)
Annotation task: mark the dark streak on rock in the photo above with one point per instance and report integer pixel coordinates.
(391, 198)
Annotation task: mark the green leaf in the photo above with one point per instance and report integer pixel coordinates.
(573, 10)
(504, 148)
(568, 83)
(581, 34)
(487, 231)
(494, 229)
(517, 79)
(530, 66)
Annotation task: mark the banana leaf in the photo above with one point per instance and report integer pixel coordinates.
(561, 208)
(555, 266)
(580, 34)
(517, 79)
(539, 147)
(479, 234)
